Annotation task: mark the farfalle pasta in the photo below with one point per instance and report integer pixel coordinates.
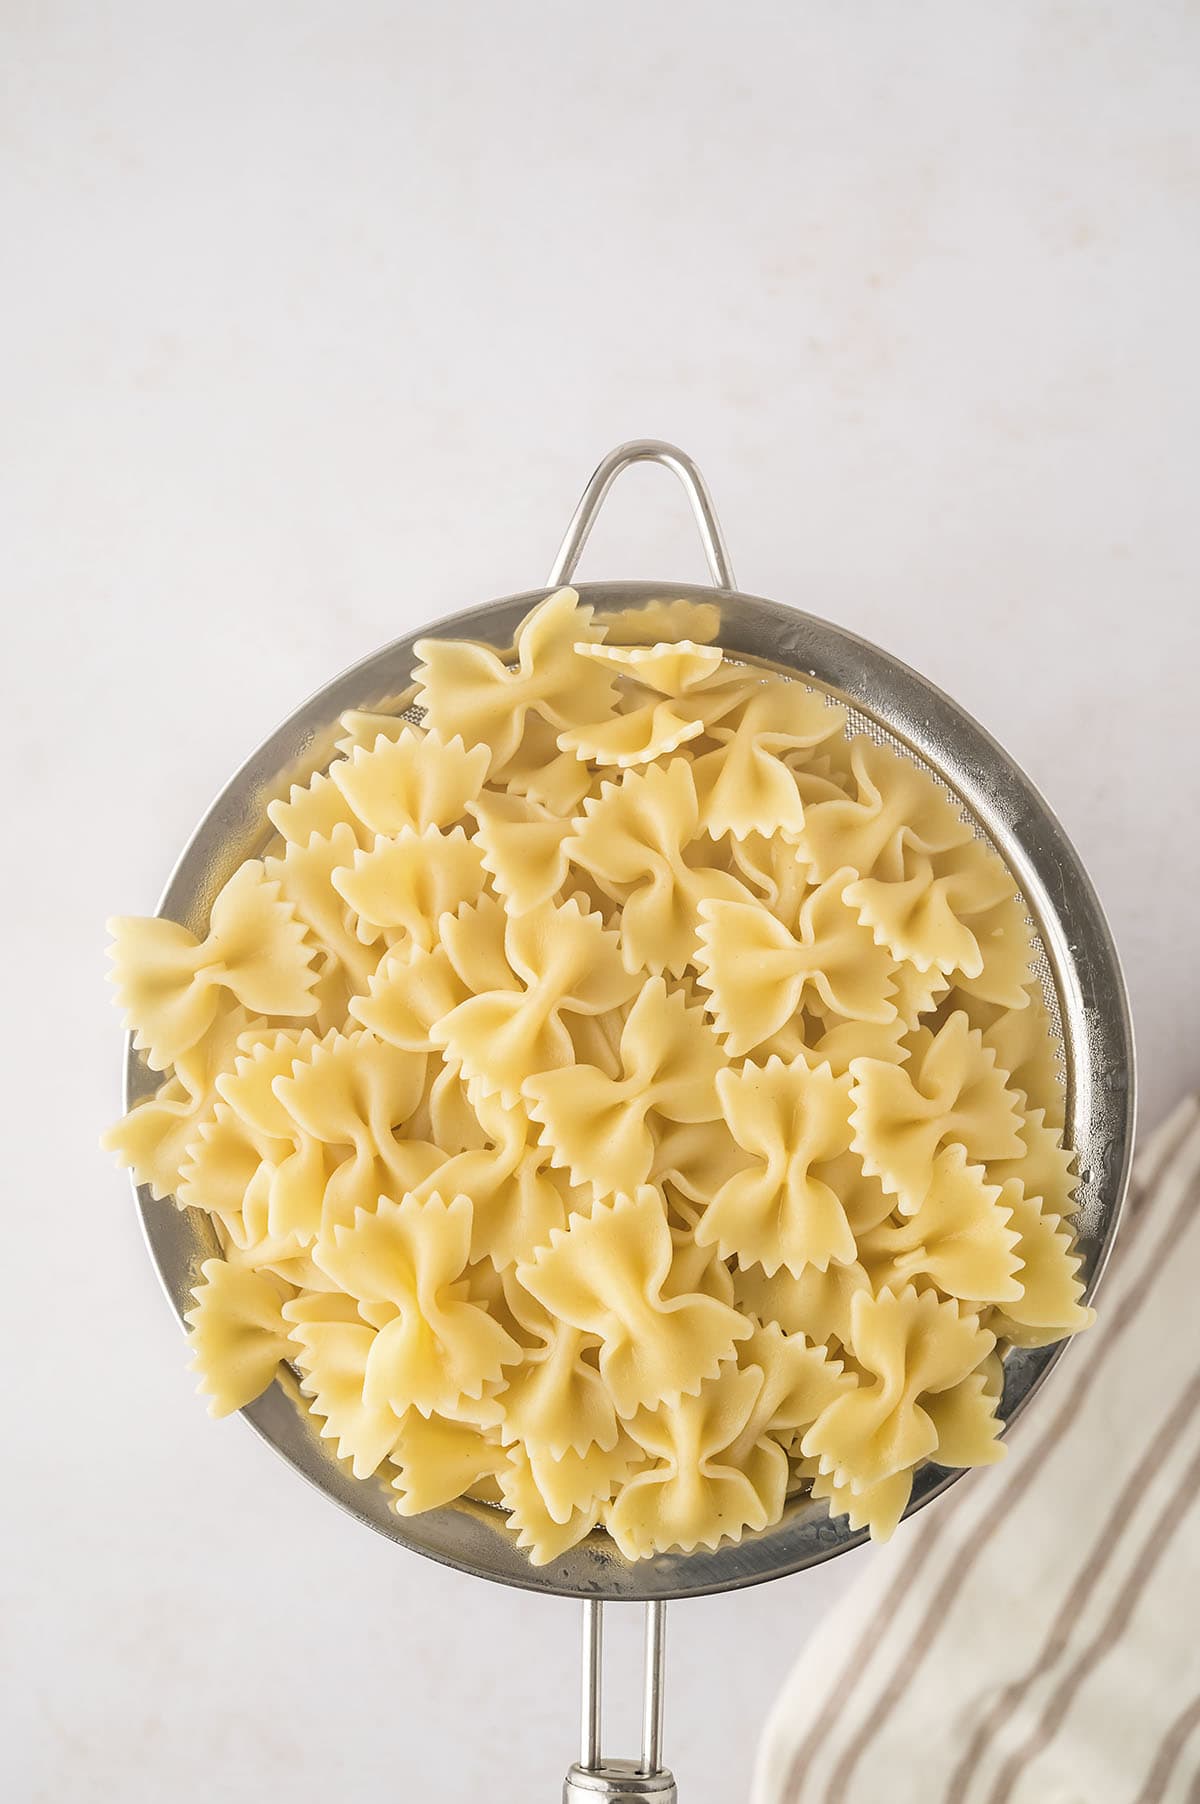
(911, 1344)
(416, 780)
(403, 884)
(619, 1093)
(605, 1274)
(655, 719)
(643, 842)
(558, 963)
(950, 1091)
(758, 975)
(745, 785)
(468, 691)
(170, 983)
(601, 1128)
(791, 1120)
(402, 1263)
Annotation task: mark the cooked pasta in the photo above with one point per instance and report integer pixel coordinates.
(620, 1094)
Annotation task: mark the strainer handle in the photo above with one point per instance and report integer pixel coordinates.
(644, 451)
(595, 1780)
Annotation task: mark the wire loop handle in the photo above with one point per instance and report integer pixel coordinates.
(642, 451)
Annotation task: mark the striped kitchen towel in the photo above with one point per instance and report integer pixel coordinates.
(1034, 1638)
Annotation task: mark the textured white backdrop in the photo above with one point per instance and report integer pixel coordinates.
(316, 317)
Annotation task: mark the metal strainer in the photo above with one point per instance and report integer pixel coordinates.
(1076, 962)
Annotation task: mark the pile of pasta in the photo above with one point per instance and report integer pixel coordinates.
(623, 1097)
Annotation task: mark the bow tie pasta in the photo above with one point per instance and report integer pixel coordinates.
(621, 1096)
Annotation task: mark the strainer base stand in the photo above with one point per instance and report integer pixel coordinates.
(618, 1782)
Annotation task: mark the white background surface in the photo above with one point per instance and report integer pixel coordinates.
(316, 317)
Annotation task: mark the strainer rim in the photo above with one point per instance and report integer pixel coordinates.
(469, 1537)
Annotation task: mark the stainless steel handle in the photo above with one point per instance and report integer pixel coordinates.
(592, 1724)
(642, 451)
(595, 1780)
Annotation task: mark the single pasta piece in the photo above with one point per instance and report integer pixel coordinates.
(632, 839)
(897, 809)
(792, 1120)
(746, 784)
(468, 690)
(169, 982)
(416, 780)
(601, 1128)
(405, 884)
(758, 974)
(521, 848)
(557, 962)
(331, 1343)
(434, 1350)
(910, 1344)
(690, 1495)
(950, 1093)
(962, 1237)
(606, 1275)
(238, 1333)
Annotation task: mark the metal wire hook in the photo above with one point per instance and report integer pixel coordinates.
(653, 451)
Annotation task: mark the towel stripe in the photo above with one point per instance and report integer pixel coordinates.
(1156, 1546)
(1167, 1758)
(1121, 1520)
